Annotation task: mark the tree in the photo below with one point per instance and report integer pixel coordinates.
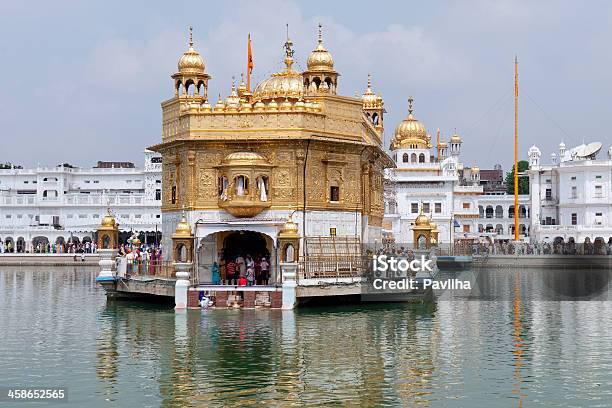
(523, 187)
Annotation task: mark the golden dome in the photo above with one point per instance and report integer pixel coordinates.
(411, 131)
(191, 62)
(285, 84)
(369, 98)
(219, 106)
(422, 220)
(108, 221)
(455, 138)
(320, 59)
(206, 106)
(244, 158)
(290, 229)
(433, 226)
(183, 229)
(232, 102)
(475, 169)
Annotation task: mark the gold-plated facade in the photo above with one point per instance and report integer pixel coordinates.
(279, 148)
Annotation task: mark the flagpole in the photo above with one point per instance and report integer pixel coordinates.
(516, 190)
(249, 63)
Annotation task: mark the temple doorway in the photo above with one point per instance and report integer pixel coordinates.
(243, 243)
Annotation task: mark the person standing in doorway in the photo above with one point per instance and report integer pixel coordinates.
(231, 272)
(265, 271)
(250, 270)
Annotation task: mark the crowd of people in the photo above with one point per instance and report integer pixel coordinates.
(241, 271)
(51, 248)
(545, 248)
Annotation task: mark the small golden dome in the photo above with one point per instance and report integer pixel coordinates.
(475, 169)
(232, 102)
(244, 158)
(245, 107)
(206, 106)
(108, 221)
(411, 131)
(369, 98)
(320, 59)
(242, 88)
(191, 62)
(422, 220)
(285, 84)
(259, 106)
(183, 229)
(299, 105)
(286, 105)
(219, 106)
(455, 138)
(433, 226)
(290, 229)
(272, 105)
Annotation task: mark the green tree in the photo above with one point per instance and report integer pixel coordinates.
(523, 187)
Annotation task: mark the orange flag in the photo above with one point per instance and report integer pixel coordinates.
(250, 64)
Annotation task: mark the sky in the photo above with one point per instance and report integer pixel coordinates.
(83, 81)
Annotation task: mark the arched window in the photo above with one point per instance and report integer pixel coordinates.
(262, 188)
(421, 158)
(489, 211)
(241, 185)
(499, 212)
(413, 158)
(405, 158)
(375, 118)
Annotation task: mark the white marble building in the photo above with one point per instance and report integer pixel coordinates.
(431, 182)
(496, 216)
(572, 196)
(56, 203)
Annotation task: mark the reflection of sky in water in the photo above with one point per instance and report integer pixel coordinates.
(58, 330)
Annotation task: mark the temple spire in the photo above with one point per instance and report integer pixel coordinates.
(190, 36)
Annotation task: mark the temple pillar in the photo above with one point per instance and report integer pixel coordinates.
(289, 274)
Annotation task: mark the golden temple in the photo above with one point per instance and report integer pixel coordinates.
(292, 145)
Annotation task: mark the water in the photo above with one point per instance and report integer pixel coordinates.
(58, 330)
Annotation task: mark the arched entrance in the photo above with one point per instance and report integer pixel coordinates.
(20, 246)
(243, 243)
(224, 246)
(39, 244)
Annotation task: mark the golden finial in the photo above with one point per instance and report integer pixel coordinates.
(190, 36)
(320, 33)
(410, 110)
(233, 83)
(369, 80)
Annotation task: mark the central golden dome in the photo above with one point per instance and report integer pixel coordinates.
(411, 132)
(191, 62)
(285, 84)
(320, 59)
